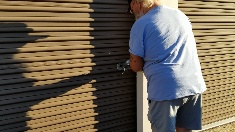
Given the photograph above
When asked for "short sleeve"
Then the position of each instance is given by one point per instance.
(136, 46)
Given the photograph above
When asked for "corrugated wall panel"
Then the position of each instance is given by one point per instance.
(213, 25)
(58, 66)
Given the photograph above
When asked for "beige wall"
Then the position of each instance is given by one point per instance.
(171, 3)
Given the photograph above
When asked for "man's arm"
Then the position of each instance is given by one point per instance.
(136, 63)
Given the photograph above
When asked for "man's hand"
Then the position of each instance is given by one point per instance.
(136, 63)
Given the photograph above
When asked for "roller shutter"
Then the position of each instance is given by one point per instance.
(58, 66)
(214, 27)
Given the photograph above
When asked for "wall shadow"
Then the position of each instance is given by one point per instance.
(20, 94)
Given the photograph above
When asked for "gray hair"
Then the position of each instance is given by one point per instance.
(147, 3)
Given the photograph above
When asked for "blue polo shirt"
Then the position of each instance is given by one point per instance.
(163, 37)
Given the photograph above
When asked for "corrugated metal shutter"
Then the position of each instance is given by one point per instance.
(214, 27)
(58, 66)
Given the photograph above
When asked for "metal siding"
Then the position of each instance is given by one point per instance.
(58, 66)
(213, 25)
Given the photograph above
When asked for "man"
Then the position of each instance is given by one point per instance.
(162, 44)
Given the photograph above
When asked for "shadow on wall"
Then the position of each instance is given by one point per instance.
(22, 89)
(54, 94)
(26, 97)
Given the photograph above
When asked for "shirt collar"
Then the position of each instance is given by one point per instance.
(157, 8)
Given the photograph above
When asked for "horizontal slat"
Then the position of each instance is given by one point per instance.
(66, 24)
(221, 1)
(60, 64)
(55, 74)
(218, 45)
(216, 89)
(64, 9)
(52, 111)
(212, 26)
(58, 39)
(61, 19)
(96, 52)
(124, 126)
(67, 45)
(214, 32)
(208, 11)
(227, 19)
(64, 14)
(220, 75)
(51, 120)
(19, 126)
(63, 91)
(56, 29)
(63, 82)
(81, 97)
(87, 128)
(215, 71)
(71, 116)
(219, 100)
(207, 39)
(73, 108)
(64, 115)
(221, 51)
(73, 124)
(205, 1)
(69, 100)
(218, 118)
(220, 111)
(110, 125)
(205, 5)
(217, 64)
(86, 1)
(211, 13)
(56, 4)
(219, 94)
(64, 34)
(74, 89)
(61, 55)
(216, 58)
(220, 82)
(218, 106)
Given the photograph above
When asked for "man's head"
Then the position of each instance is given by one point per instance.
(140, 7)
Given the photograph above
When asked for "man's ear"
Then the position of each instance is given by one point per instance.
(139, 5)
